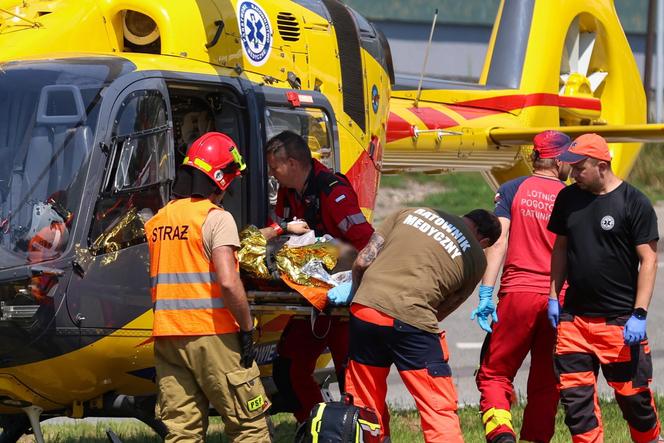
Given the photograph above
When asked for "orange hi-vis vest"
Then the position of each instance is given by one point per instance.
(187, 299)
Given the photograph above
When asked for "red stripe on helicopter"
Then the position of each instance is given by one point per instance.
(363, 175)
(470, 113)
(397, 128)
(594, 104)
(433, 119)
(508, 103)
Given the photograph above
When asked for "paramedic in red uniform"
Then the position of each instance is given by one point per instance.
(606, 247)
(523, 206)
(328, 204)
(418, 267)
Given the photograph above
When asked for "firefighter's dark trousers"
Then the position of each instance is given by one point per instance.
(584, 345)
(376, 342)
(298, 351)
(522, 327)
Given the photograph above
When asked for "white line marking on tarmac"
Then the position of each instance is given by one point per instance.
(469, 345)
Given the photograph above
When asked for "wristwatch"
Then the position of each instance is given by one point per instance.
(640, 313)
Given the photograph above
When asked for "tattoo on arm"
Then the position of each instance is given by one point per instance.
(366, 257)
(371, 250)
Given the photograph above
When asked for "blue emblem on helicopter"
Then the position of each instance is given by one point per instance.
(255, 32)
(375, 98)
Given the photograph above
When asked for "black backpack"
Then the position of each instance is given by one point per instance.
(340, 422)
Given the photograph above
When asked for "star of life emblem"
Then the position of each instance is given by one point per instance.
(255, 32)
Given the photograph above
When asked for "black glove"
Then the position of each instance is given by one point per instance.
(247, 351)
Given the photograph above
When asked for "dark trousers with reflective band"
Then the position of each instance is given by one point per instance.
(523, 327)
(298, 352)
(193, 372)
(376, 342)
(584, 345)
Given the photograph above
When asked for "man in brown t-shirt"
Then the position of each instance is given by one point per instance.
(418, 267)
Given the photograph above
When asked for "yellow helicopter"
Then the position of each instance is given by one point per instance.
(94, 118)
(562, 65)
(100, 98)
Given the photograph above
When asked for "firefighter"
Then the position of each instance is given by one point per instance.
(418, 267)
(202, 325)
(606, 247)
(523, 206)
(310, 196)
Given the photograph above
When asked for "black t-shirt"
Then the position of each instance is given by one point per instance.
(602, 234)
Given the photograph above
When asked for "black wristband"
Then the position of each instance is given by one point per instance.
(640, 313)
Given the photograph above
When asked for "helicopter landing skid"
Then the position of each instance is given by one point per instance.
(33, 413)
(112, 437)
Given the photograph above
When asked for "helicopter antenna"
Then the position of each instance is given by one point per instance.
(426, 58)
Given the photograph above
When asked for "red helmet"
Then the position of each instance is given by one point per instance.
(216, 155)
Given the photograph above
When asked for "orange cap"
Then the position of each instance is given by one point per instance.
(586, 145)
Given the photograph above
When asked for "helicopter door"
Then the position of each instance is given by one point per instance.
(114, 290)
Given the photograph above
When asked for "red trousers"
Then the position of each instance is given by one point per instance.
(298, 350)
(522, 327)
(584, 345)
(376, 342)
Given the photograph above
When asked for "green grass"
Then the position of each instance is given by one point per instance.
(404, 424)
(462, 191)
(615, 428)
(405, 427)
(648, 171)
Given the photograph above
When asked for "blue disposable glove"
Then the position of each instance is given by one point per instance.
(635, 330)
(553, 312)
(340, 295)
(485, 308)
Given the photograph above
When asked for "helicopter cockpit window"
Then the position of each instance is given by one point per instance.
(312, 124)
(139, 174)
(142, 129)
(47, 121)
